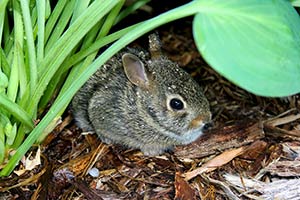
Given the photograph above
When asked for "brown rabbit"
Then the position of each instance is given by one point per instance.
(141, 102)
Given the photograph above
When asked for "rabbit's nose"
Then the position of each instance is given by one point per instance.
(207, 126)
(200, 121)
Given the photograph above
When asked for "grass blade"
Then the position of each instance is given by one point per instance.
(54, 17)
(130, 9)
(4, 63)
(41, 10)
(19, 113)
(2, 17)
(60, 27)
(2, 144)
(30, 45)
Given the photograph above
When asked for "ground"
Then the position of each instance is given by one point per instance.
(253, 143)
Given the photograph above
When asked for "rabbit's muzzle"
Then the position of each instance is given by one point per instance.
(200, 121)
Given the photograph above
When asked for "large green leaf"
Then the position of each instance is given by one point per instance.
(253, 43)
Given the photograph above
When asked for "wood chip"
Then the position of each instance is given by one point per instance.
(221, 139)
(216, 162)
(183, 190)
(283, 120)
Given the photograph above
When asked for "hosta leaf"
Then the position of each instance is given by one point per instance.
(253, 43)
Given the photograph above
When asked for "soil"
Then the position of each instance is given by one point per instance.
(252, 139)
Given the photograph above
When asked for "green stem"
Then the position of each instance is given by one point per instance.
(130, 9)
(59, 29)
(13, 83)
(180, 12)
(2, 144)
(4, 63)
(41, 9)
(2, 16)
(16, 111)
(30, 45)
(54, 17)
(110, 19)
(99, 43)
(23, 84)
(79, 7)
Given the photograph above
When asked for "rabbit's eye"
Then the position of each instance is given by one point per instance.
(176, 104)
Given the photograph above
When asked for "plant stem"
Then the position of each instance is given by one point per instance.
(53, 18)
(30, 45)
(60, 27)
(2, 16)
(15, 110)
(4, 63)
(97, 44)
(41, 9)
(130, 9)
(13, 83)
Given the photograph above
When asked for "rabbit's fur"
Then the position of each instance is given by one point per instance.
(127, 101)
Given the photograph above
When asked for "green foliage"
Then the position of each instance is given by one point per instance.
(255, 44)
(295, 3)
(45, 52)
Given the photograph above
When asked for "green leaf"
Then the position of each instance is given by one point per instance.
(2, 144)
(10, 132)
(295, 3)
(60, 26)
(4, 63)
(2, 16)
(41, 12)
(54, 16)
(253, 43)
(30, 45)
(3, 82)
(130, 9)
(15, 110)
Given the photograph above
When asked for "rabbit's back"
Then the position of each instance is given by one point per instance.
(106, 81)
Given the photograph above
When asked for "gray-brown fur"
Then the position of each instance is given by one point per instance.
(136, 113)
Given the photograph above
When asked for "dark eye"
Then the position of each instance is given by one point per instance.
(176, 104)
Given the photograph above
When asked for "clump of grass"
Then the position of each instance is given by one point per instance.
(42, 52)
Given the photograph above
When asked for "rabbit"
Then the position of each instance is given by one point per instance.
(142, 102)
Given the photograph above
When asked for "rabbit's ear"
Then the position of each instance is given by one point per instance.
(155, 46)
(135, 70)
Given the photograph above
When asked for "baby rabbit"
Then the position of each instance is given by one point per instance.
(142, 102)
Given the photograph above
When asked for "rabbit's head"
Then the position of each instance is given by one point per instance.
(168, 98)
